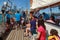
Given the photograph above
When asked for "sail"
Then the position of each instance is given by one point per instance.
(41, 3)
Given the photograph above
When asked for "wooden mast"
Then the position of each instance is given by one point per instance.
(31, 1)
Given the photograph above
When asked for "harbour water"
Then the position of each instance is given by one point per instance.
(0, 18)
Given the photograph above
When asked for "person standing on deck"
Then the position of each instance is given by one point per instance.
(41, 30)
(8, 16)
(33, 25)
(18, 18)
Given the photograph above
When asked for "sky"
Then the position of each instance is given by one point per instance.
(25, 4)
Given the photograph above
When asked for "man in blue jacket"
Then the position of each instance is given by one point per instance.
(45, 16)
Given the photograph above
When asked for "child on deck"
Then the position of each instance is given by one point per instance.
(28, 32)
(53, 35)
(12, 22)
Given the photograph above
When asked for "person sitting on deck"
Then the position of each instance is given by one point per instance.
(46, 16)
(28, 31)
(52, 18)
(53, 35)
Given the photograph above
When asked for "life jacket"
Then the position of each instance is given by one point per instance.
(53, 38)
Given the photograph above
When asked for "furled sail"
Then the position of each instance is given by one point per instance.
(41, 3)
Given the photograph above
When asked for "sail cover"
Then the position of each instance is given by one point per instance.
(41, 3)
